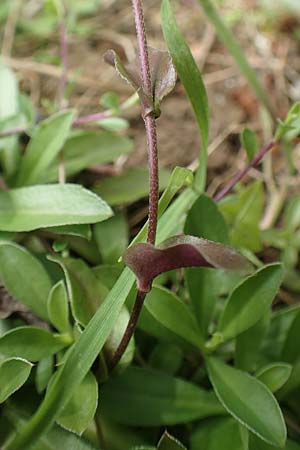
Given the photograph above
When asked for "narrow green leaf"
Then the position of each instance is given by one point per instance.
(204, 220)
(250, 300)
(129, 187)
(168, 442)
(249, 142)
(142, 397)
(231, 43)
(191, 79)
(24, 277)
(218, 434)
(13, 374)
(87, 347)
(275, 375)
(173, 314)
(29, 208)
(31, 343)
(111, 238)
(86, 292)
(58, 308)
(249, 401)
(290, 351)
(44, 370)
(83, 230)
(80, 410)
(85, 149)
(47, 141)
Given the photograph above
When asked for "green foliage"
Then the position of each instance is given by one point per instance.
(211, 346)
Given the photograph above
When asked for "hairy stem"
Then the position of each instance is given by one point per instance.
(150, 127)
(239, 175)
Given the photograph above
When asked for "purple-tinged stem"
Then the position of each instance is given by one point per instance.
(150, 126)
(239, 175)
(12, 131)
(91, 118)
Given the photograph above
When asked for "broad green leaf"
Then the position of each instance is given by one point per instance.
(111, 238)
(290, 351)
(44, 370)
(275, 375)
(80, 410)
(13, 374)
(250, 300)
(24, 277)
(191, 79)
(58, 308)
(250, 142)
(45, 144)
(248, 344)
(85, 149)
(243, 213)
(86, 349)
(128, 187)
(218, 434)
(232, 45)
(29, 208)
(142, 397)
(249, 401)
(203, 283)
(31, 343)
(168, 442)
(173, 314)
(85, 290)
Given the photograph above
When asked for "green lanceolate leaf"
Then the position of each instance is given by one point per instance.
(24, 277)
(168, 442)
(111, 238)
(81, 409)
(290, 351)
(31, 343)
(47, 141)
(13, 374)
(44, 370)
(85, 149)
(250, 300)
(191, 79)
(218, 434)
(173, 314)
(250, 142)
(29, 208)
(86, 349)
(249, 401)
(58, 308)
(274, 375)
(231, 43)
(204, 220)
(86, 292)
(83, 230)
(130, 186)
(142, 397)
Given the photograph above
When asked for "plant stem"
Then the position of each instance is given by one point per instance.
(239, 175)
(150, 127)
(135, 314)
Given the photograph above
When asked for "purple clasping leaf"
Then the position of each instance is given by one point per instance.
(163, 77)
(147, 261)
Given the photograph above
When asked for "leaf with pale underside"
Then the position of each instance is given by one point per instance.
(147, 261)
(163, 76)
